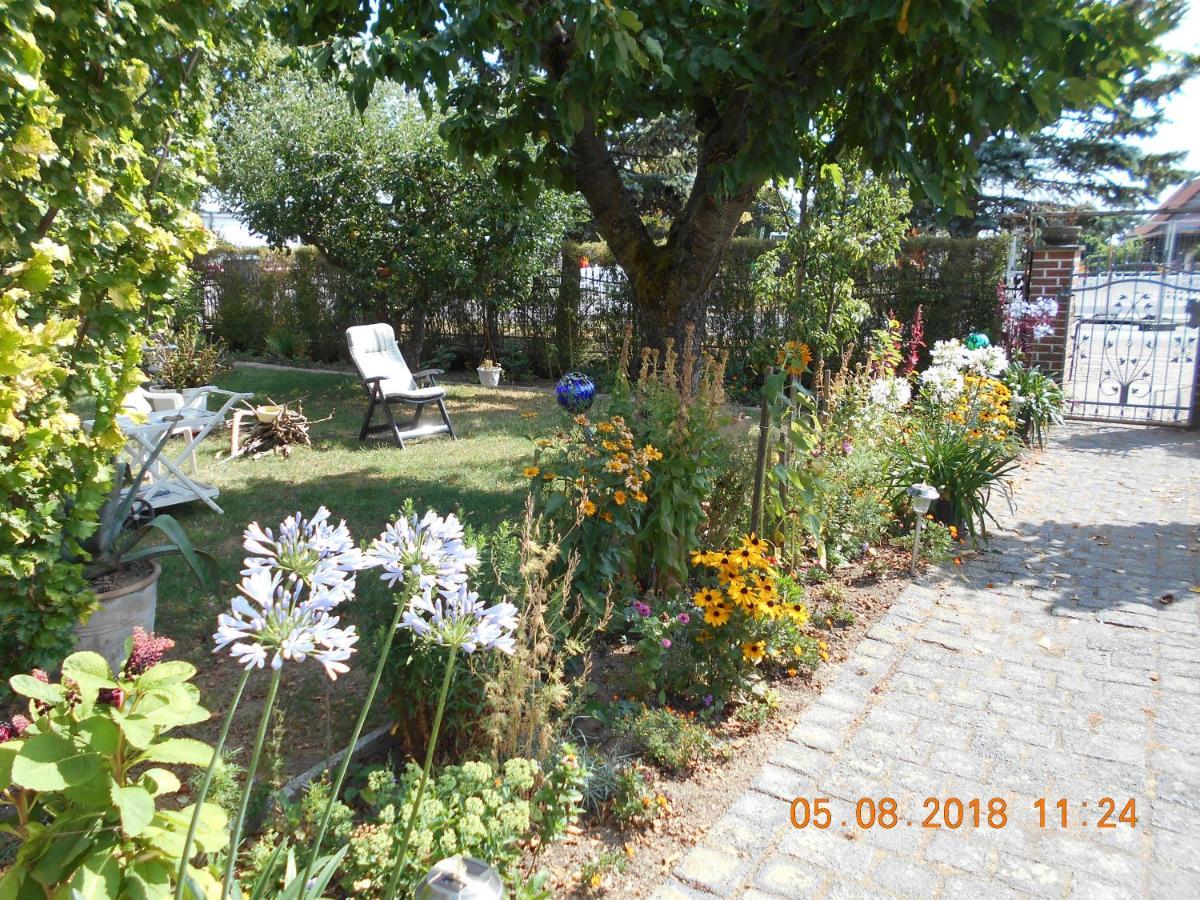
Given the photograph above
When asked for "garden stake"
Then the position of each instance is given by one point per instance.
(236, 837)
(358, 727)
(394, 881)
(760, 464)
(206, 783)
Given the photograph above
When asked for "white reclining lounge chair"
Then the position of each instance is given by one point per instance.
(387, 380)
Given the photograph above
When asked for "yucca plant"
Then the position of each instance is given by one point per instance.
(1038, 402)
(967, 471)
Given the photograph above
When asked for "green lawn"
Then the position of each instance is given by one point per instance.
(479, 477)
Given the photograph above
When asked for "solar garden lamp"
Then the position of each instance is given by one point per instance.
(921, 496)
(460, 878)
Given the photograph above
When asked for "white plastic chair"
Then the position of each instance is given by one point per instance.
(387, 379)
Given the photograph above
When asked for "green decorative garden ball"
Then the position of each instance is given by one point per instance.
(978, 341)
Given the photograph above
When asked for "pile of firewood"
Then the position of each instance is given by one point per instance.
(289, 428)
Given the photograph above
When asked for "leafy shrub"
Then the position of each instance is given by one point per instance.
(674, 404)
(191, 360)
(669, 739)
(475, 809)
(90, 804)
(748, 614)
(592, 483)
(284, 343)
(634, 802)
(96, 228)
(965, 470)
(1037, 402)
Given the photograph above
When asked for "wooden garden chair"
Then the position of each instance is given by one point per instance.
(387, 380)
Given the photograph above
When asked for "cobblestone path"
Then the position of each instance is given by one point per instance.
(1065, 663)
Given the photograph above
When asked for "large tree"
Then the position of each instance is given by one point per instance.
(1089, 156)
(765, 84)
(379, 195)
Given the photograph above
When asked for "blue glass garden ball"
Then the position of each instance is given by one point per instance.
(575, 392)
(978, 341)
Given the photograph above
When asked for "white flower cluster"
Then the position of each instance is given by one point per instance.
(287, 593)
(1038, 308)
(890, 393)
(430, 555)
(953, 354)
(430, 552)
(942, 382)
(1040, 311)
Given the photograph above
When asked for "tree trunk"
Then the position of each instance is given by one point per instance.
(670, 281)
(416, 341)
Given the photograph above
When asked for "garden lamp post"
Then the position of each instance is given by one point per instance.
(921, 495)
(460, 878)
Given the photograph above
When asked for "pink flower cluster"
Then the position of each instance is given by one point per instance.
(148, 651)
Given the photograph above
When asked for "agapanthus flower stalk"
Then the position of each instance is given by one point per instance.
(422, 559)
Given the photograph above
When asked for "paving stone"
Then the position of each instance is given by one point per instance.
(830, 848)
(897, 875)
(714, 869)
(789, 879)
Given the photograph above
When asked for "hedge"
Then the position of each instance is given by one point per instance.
(293, 303)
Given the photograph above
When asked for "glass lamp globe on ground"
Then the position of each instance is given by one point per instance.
(921, 496)
(977, 341)
(460, 878)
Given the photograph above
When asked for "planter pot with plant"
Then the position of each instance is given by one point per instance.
(489, 373)
(124, 575)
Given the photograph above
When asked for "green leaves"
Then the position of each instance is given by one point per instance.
(136, 806)
(178, 751)
(89, 801)
(50, 762)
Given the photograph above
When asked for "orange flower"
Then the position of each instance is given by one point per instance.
(589, 508)
(619, 498)
(531, 471)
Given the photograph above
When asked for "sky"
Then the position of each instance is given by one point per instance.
(1181, 131)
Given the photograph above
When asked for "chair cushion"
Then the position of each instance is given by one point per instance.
(417, 394)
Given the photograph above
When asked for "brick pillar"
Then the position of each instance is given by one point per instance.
(1051, 270)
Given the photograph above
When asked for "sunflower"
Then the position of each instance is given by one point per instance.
(532, 471)
(619, 497)
(716, 615)
(588, 507)
(753, 651)
(641, 497)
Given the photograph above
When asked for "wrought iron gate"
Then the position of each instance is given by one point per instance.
(1132, 347)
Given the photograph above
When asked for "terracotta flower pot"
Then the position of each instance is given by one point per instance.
(121, 609)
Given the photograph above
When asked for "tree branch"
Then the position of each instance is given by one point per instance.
(599, 180)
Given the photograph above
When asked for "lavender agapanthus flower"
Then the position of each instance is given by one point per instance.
(428, 553)
(321, 554)
(458, 618)
(284, 618)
